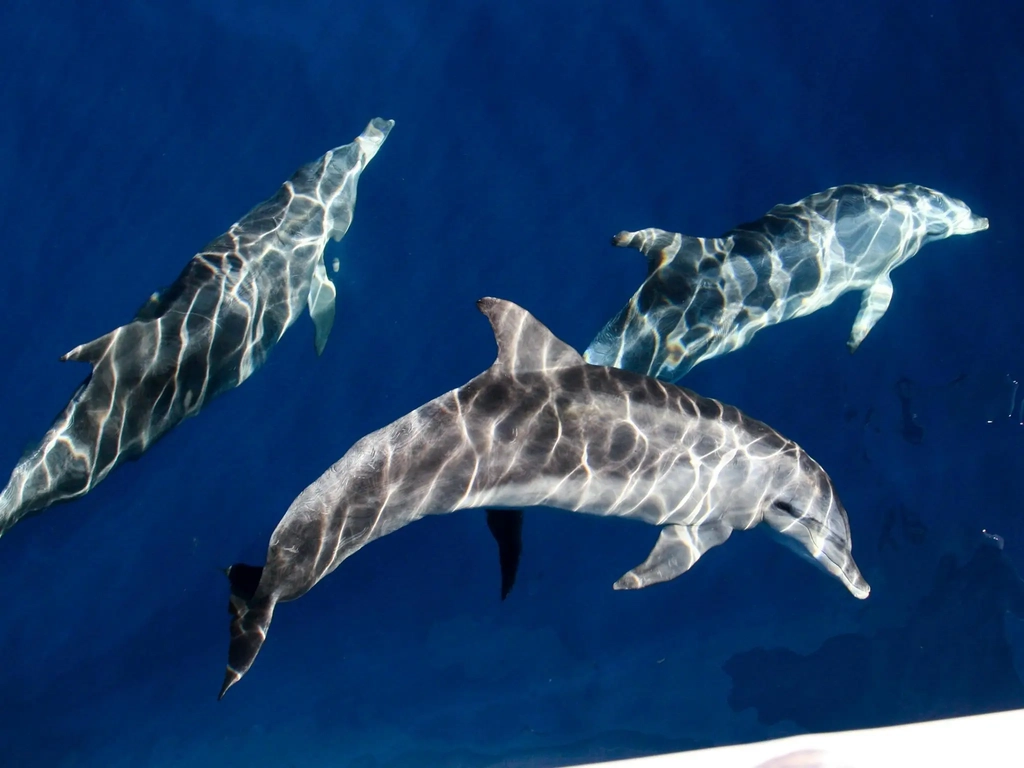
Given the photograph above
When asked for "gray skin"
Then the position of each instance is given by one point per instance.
(542, 428)
(705, 297)
(204, 335)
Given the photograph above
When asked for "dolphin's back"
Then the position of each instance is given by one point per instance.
(610, 442)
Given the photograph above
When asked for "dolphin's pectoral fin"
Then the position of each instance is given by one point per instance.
(506, 526)
(873, 304)
(321, 304)
(678, 548)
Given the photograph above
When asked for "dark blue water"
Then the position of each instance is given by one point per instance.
(527, 134)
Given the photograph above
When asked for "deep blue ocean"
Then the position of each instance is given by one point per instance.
(526, 135)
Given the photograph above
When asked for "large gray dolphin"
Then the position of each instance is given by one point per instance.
(540, 427)
(204, 335)
(706, 296)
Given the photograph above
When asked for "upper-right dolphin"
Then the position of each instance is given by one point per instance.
(706, 296)
(207, 333)
(540, 427)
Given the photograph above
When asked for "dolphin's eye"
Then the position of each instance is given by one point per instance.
(785, 506)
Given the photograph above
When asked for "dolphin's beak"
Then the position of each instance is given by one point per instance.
(980, 223)
(970, 224)
(840, 564)
(855, 582)
(831, 556)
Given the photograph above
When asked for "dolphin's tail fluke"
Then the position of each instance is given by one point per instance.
(250, 619)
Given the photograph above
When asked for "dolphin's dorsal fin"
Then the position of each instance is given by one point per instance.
(150, 310)
(659, 246)
(158, 302)
(91, 351)
(524, 343)
(321, 304)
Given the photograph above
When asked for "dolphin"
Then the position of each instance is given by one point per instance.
(205, 334)
(704, 296)
(540, 427)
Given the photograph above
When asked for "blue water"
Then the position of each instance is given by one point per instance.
(526, 135)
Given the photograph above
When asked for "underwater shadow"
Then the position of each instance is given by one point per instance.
(952, 658)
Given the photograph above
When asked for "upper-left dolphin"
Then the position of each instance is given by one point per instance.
(207, 333)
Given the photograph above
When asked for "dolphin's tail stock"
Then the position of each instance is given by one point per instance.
(8, 507)
(250, 618)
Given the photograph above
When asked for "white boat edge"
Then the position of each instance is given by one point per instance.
(979, 741)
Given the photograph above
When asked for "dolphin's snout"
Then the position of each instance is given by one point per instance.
(856, 583)
(837, 558)
(966, 223)
(977, 224)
